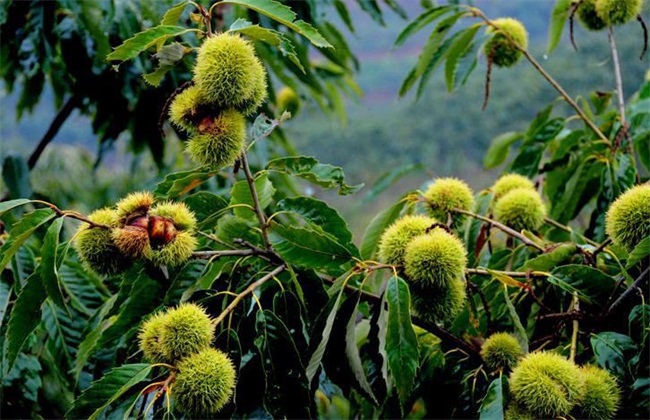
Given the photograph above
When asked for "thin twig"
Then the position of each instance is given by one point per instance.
(643, 277)
(72, 215)
(256, 200)
(486, 306)
(574, 335)
(562, 316)
(502, 227)
(206, 255)
(617, 76)
(250, 289)
(445, 335)
(481, 271)
(645, 36)
(478, 13)
(600, 248)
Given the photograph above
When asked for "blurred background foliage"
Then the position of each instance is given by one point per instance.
(110, 143)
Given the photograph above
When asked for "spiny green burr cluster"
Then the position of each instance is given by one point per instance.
(205, 377)
(229, 83)
(159, 233)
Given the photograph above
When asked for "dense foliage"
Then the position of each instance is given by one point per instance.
(227, 292)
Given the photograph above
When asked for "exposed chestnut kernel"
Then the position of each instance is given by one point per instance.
(139, 222)
(161, 231)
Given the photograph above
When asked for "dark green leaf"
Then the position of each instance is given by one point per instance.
(401, 342)
(241, 194)
(5, 206)
(144, 40)
(179, 183)
(25, 317)
(499, 148)
(107, 390)
(322, 215)
(172, 15)
(591, 284)
(285, 16)
(352, 350)
(308, 248)
(520, 331)
(21, 231)
(377, 226)
(344, 13)
(91, 337)
(312, 170)
(492, 406)
(49, 265)
(420, 22)
(325, 322)
(372, 8)
(559, 16)
(551, 259)
(15, 174)
(610, 348)
(458, 49)
(207, 207)
(639, 253)
(5, 295)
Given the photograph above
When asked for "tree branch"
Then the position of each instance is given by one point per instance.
(617, 75)
(501, 227)
(250, 289)
(256, 200)
(645, 276)
(73, 102)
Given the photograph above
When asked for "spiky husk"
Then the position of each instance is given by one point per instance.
(438, 304)
(183, 331)
(96, 247)
(602, 395)
(222, 144)
(588, 16)
(521, 209)
(134, 203)
(183, 107)
(204, 383)
(445, 194)
(509, 182)
(149, 337)
(228, 74)
(618, 12)
(174, 253)
(393, 242)
(547, 385)
(628, 218)
(182, 217)
(257, 98)
(131, 241)
(501, 351)
(287, 100)
(515, 412)
(500, 49)
(435, 259)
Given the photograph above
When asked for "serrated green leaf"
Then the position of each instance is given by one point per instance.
(499, 148)
(144, 40)
(312, 170)
(420, 22)
(559, 16)
(591, 284)
(49, 264)
(344, 14)
(179, 183)
(492, 406)
(551, 259)
(207, 207)
(322, 215)
(11, 204)
(324, 324)
(155, 77)
(5, 294)
(519, 330)
(172, 15)
(377, 225)
(352, 351)
(639, 253)
(241, 194)
(25, 317)
(107, 390)
(306, 247)
(457, 50)
(91, 337)
(21, 231)
(401, 342)
(610, 349)
(284, 15)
